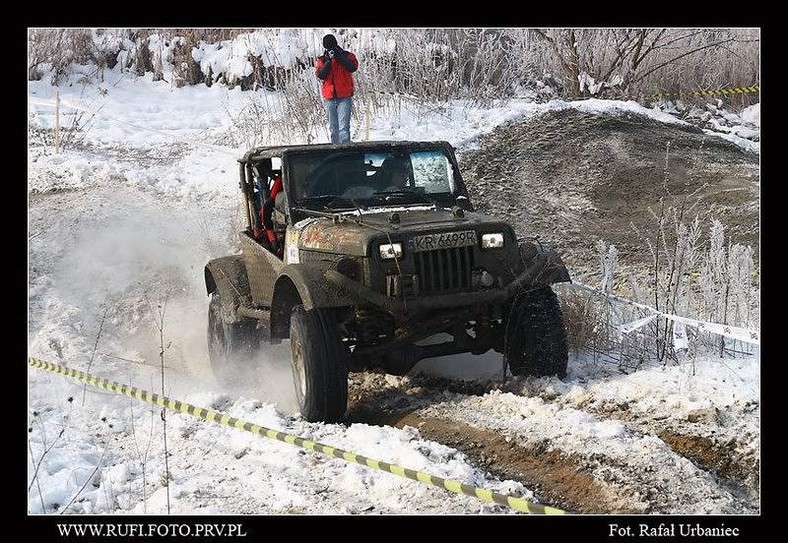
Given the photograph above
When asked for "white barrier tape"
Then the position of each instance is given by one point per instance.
(733, 332)
(634, 325)
(612, 296)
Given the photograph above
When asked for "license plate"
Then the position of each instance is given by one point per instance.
(445, 240)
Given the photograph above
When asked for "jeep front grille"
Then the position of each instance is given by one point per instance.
(444, 270)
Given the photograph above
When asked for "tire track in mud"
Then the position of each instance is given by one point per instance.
(738, 473)
(699, 439)
(556, 479)
(647, 469)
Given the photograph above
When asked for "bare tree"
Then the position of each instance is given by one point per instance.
(438, 64)
(629, 62)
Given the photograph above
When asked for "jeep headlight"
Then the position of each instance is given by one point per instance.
(492, 241)
(390, 250)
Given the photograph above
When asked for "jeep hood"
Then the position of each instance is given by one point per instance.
(353, 234)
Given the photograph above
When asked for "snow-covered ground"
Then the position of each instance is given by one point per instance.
(119, 229)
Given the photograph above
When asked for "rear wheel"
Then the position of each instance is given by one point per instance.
(231, 345)
(319, 364)
(536, 342)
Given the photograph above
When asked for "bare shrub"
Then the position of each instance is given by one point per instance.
(583, 318)
(72, 126)
(166, 476)
(437, 65)
(295, 115)
(725, 280)
(634, 62)
(186, 70)
(58, 48)
(608, 259)
(694, 276)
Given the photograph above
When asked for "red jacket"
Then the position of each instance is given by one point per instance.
(338, 83)
(276, 188)
(267, 209)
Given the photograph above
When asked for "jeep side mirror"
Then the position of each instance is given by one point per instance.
(464, 203)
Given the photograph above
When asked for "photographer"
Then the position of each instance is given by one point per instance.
(335, 69)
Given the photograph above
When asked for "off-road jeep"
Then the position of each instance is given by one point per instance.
(370, 252)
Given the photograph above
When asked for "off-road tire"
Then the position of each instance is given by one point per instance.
(319, 365)
(536, 342)
(232, 346)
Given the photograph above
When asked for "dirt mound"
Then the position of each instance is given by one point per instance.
(574, 178)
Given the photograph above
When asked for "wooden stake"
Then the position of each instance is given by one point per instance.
(57, 121)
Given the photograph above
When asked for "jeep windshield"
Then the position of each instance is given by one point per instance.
(339, 180)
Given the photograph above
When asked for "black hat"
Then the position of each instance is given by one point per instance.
(329, 41)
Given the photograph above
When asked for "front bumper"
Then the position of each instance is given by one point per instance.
(535, 274)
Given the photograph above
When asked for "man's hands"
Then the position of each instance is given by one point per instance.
(334, 52)
(339, 54)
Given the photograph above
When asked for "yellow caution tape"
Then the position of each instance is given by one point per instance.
(457, 487)
(735, 90)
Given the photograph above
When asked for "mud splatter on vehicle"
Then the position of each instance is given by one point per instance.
(370, 249)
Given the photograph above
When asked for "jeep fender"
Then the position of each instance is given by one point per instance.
(302, 284)
(227, 275)
(543, 263)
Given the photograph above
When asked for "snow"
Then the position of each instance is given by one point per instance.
(150, 192)
(752, 115)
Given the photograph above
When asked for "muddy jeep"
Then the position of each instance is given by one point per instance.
(371, 256)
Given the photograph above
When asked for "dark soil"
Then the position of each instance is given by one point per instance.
(574, 178)
(572, 481)
(558, 480)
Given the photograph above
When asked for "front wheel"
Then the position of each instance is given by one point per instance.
(536, 342)
(319, 364)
